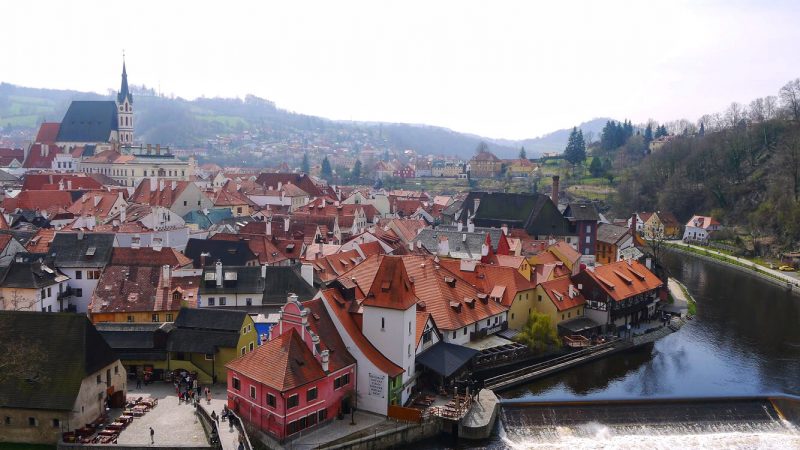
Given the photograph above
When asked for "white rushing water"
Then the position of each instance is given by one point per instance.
(775, 435)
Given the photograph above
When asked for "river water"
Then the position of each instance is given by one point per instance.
(745, 340)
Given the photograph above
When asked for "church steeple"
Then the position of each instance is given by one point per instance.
(123, 90)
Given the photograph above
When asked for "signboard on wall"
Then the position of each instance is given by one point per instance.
(377, 383)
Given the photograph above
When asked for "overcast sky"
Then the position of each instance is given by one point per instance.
(498, 69)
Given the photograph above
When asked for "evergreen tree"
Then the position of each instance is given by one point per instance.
(576, 147)
(306, 166)
(355, 173)
(522, 154)
(596, 167)
(648, 133)
(661, 131)
(702, 131)
(326, 173)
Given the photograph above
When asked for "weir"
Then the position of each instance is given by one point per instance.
(653, 423)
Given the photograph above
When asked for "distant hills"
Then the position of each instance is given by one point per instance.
(193, 123)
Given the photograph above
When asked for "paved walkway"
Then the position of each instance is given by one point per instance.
(228, 436)
(337, 429)
(173, 423)
(789, 277)
(677, 293)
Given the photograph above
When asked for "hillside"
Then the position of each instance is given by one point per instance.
(192, 123)
(557, 140)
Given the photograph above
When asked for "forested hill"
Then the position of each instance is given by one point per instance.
(189, 123)
(742, 166)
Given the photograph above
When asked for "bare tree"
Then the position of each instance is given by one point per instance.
(756, 112)
(17, 302)
(20, 361)
(770, 107)
(735, 114)
(790, 97)
(788, 160)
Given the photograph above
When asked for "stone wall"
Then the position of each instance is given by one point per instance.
(403, 435)
(19, 429)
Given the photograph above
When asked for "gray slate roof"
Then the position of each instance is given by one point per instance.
(30, 273)
(610, 234)
(581, 212)
(471, 248)
(281, 280)
(88, 121)
(91, 250)
(231, 253)
(71, 349)
(210, 319)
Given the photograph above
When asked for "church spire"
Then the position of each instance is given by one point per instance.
(123, 90)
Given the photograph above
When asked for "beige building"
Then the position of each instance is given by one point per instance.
(131, 164)
(560, 300)
(67, 377)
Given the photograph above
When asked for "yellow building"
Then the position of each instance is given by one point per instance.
(485, 165)
(560, 300)
(205, 340)
(131, 164)
(661, 225)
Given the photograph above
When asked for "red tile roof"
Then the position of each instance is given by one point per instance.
(148, 256)
(341, 309)
(624, 279)
(558, 291)
(48, 132)
(123, 288)
(282, 363)
(391, 287)
(50, 201)
(260, 245)
(159, 197)
(51, 181)
(486, 277)
(97, 203)
(40, 243)
(41, 156)
(422, 319)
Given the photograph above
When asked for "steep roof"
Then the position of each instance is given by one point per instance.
(282, 363)
(668, 219)
(485, 156)
(30, 274)
(51, 181)
(341, 309)
(50, 201)
(48, 133)
(88, 121)
(391, 287)
(81, 249)
(59, 359)
(624, 279)
(704, 222)
(159, 197)
(462, 244)
(260, 245)
(210, 319)
(487, 277)
(128, 289)
(321, 323)
(611, 234)
(582, 211)
(100, 204)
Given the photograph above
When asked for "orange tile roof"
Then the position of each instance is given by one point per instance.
(487, 277)
(282, 363)
(341, 309)
(147, 256)
(422, 319)
(165, 197)
(96, 203)
(50, 201)
(558, 292)
(624, 279)
(40, 243)
(48, 132)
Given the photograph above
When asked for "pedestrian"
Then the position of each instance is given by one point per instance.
(194, 384)
(214, 416)
(152, 436)
(138, 382)
(208, 396)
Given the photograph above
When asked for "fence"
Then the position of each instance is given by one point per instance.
(405, 414)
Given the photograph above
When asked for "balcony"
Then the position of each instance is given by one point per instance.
(483, 332)
(66, 293)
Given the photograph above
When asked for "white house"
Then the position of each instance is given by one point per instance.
(699, 228)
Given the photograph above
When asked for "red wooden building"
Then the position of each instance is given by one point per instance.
(296, 380)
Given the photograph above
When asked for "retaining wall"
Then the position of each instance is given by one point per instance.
(404, 435)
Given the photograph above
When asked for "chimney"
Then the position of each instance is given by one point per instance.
(292, 297)
(263, 271)
(470, 226)
(307, 272)
(158, 149)
(556, 186)
(444, 246)
(324, 360)
(633, 224)
(80, 235)
(269, 226)
(411, 245)
(286, 224)
(571, 291)
(504, 227)
(314, 344)
(463, 237)
(69, 185)
(485, 247)
(477, 203)
(123, 214)
(161, 184)
(320, 249)
(218, 272)
(460, 226)
(149, 148)
(166, 275)
(153, 184)
(157, 244)
(61, 184)
(203, 257)
(174, 185)
(97, 199)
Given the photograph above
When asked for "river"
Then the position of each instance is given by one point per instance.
(744, 340)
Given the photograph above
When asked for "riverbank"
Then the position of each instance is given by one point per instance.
(773, 276)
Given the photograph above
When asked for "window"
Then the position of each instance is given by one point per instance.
(116, 370)
(322, 415)
(32, 421)
(454, 334)
(292, 401)
(248, 301)
(154, 318)
(222, 301)
(169, 317)
(311, 394)
(209, 356)
(78, 274)
(588, 239)
(341, 381)
(251, 346)
(383, 323)
(79, 292)
(409, 349)
(252, 392)
(92, 274)
(244, 350)
(8, 420)
(98, 379)
(562, 317)
(49, 292)
(210, 301)
(56, 423)
(465, 331)
(540, 298)
(271, 400)
(409, 328)
(185, 203)
(42, 294)
(237, 384)
(588, 228)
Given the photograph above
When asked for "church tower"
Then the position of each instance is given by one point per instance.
(125, 110)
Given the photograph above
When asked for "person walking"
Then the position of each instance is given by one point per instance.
(138, 382)
(152, 436)
(208, 396)
(194, 384)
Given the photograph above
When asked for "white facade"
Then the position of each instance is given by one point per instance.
(83, 281)
(176, 238)
(461, 336)
(393, 332)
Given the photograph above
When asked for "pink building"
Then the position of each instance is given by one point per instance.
(405, 172)
(301, 377)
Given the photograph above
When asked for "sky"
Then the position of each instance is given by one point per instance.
(499, 69)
